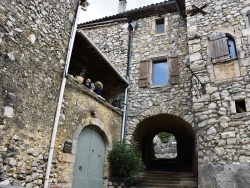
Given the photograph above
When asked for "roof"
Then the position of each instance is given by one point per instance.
(137, 13)
(86, 55)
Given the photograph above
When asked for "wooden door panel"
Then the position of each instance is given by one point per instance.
(88, 168)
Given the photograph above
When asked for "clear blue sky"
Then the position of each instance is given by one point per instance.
(102, 8)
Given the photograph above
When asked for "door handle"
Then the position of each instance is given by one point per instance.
(80, 167)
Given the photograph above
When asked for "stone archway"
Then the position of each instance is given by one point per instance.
(183, 132)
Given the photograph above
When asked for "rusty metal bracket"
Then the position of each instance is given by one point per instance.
(199, 10)
(202, 84)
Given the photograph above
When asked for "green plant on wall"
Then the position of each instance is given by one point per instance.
(125, 161)
(164, 136)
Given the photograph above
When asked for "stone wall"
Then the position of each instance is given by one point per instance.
(168, 99)
(34, 37)
(78, 105)
(112, 40)
(223, 140)
(173, 99)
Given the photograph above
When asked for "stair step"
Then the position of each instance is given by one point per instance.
(165, 186)
(169, 183)
(162, 179)
(181, 182)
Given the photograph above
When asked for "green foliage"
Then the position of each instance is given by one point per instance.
(164, 136)
(125, 161)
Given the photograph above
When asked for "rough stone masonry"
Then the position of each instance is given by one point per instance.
(222, 131)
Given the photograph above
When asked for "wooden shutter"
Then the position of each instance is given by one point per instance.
(174, 70)
(219, 47)
(144, 74)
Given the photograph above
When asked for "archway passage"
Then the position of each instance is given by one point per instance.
(184, 135)
(88, 168)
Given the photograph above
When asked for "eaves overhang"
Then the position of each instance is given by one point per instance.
(153, 9)
(86, 55)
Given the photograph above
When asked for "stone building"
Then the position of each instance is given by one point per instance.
(187, 66)
(202, 97)
(35, 38)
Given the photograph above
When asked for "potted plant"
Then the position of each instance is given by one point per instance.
(125, 162)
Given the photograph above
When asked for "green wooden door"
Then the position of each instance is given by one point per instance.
(88, 169)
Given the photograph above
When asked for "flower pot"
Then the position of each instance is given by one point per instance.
(80, 79)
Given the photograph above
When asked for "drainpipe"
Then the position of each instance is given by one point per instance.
(124, 119)
(132, 26)
(179, 10)
(59, 104)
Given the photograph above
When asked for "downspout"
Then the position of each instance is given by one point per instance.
(132, 26)
(179, 10)
(59, 104)
(124, 119)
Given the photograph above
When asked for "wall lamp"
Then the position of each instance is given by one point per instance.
(84, 4)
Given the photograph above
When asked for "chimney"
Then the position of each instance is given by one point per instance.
(122, 6)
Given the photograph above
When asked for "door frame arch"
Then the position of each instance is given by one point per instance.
(98, 125)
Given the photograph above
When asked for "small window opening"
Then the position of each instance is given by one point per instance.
(159, 26)
(160, 72)
(231, 47)
(240, 106)
(164, 146)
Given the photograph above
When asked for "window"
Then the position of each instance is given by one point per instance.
(158, 72)
(222, 47)
(160, 26)
(231, 47)
(240, 106)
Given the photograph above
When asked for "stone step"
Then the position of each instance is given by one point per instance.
(166, 181)
(161, 179)
(165, 186)
(167, 175)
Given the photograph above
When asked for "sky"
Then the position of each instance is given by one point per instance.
(101, 8)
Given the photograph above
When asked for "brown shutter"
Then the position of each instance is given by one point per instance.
(174, 71)
(219, 47)
(144, 74)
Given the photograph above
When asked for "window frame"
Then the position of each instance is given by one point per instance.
(146, 71)
(160, 21)
(157, 61)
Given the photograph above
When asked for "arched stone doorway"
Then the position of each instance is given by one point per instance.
(183, 132)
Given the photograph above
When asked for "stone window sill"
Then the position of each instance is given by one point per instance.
(226, 61)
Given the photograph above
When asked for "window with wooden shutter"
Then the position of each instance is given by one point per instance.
(144, 74)
(174, 71)
(219, 47)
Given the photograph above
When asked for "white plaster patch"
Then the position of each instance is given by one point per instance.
(5, 182)
(195, 57)
(8, 112)
(32, 38)
(11, 56)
